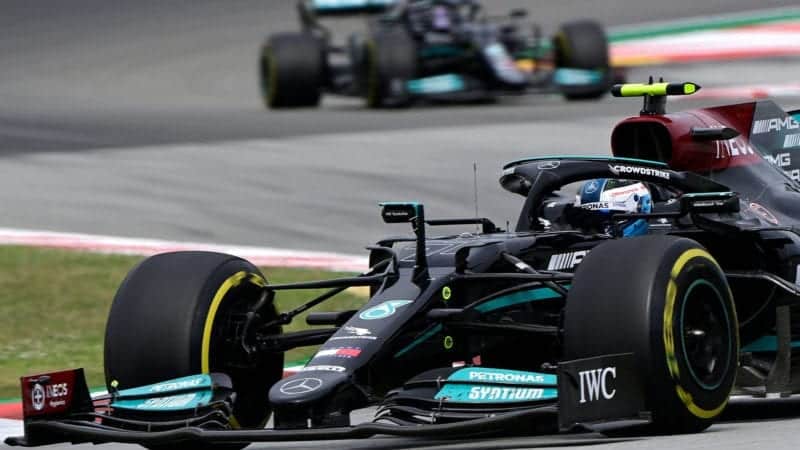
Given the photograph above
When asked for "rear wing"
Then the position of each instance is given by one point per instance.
(345, 7)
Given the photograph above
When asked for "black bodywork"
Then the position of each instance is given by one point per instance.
(476, 57)
(493, 299)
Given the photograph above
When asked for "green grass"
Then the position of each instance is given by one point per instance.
(53, 307)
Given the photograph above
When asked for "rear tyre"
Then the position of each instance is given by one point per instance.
(292, 70)
(665, 300)
(583, 45)
(390, 59)
(175, 315)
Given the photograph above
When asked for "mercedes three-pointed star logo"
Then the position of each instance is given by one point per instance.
(38, 397)
(301, 386)
(547, 165)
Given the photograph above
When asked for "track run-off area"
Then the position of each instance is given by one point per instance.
(137, 127)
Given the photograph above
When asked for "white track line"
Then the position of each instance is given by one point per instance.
(261, 256)
(8, 428)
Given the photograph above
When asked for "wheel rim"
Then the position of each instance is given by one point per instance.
(705, 334)
(223, 353)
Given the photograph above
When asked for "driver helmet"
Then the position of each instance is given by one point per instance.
(607, 196)
(441, 18)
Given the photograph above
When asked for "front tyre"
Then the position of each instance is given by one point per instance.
(583, 45)
(178, 314)
(292, 70)
(665, 300)
(390, 60)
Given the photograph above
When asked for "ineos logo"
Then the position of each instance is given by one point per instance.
(38, 397)
(301, 386)
(594, 384)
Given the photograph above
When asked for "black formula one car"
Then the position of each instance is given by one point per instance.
(430, 49)
(564, 321)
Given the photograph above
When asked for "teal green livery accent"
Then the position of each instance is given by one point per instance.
(172, 395)
(323, 6)
(466, 393)
(422, 338)
(584, 157)
(439, 84)
(501, 302)
(577, 77)
(383, 310)
(765, 344)
(502, 376)
(439, 51)
(415, 204)
(516, 298)
(188, 400)
(191, 383)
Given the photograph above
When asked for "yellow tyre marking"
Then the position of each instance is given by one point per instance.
(205, 355)
(669, 338)
(687, 400)
(561, 40)
(686, 256)
(257, 280)
(232, 281)
(272, 86)
(373, 83)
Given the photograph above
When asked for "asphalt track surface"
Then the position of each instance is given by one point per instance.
(143, 119)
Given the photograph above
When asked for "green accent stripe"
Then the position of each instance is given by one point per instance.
(765, 344)
(504, 301)
(619, 34)
(516, 298)
(422, 338)
(585, 158)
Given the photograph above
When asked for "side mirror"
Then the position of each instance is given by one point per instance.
(413, 212)
(399, 212)
(710, 202)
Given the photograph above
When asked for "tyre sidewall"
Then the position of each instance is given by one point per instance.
(388, 55)
(672, 382)
(292, 70)
(160, 318)
(619, 303)
(583, 45)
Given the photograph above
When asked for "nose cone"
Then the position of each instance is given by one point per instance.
(323, 398)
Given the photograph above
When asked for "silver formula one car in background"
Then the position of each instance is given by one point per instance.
(430, 49)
